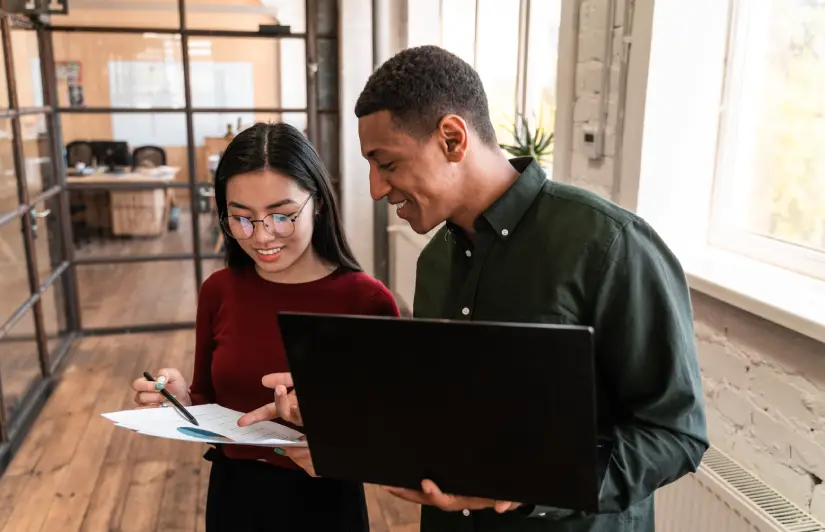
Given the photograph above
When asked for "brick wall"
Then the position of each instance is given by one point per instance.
(598, 175)
(765, 385)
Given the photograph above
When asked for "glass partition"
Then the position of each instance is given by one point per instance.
(108, 70)
(112, 120)
(125, 14)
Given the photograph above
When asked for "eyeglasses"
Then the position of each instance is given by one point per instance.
(280, 225)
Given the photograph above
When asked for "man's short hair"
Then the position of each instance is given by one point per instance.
(420, 86)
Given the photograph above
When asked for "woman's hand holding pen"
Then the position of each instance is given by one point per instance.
(284, 407)
(147, 393)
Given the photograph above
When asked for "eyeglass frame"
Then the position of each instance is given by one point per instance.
(291, 217)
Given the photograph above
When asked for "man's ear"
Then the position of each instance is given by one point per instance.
(453, 137)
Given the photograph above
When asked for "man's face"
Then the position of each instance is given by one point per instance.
(417, 176)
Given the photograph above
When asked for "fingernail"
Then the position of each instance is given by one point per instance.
(279, 451)
(158, 386)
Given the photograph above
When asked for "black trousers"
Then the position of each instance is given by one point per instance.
(253, 496)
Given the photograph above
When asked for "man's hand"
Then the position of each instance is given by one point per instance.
(431, 495)
(284, 407)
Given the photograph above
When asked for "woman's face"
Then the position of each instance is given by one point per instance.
(287, 211)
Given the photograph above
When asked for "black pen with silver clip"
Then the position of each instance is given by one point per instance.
(172, 400)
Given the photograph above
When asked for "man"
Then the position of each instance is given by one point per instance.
(516, 247)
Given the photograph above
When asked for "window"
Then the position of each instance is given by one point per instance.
(725, 134)
(769, 193)
(513, 46)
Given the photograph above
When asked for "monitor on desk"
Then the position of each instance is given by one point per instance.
(111, 153)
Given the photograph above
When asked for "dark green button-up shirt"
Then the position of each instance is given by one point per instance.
(548, 252)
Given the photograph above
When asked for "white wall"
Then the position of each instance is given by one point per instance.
(356, 67)
(419, 22)
(404, 24)
(423, 22)
(293, 60)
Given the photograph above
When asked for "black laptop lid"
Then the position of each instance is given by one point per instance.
(502, 411)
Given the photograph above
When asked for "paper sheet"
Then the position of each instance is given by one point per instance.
(217, 424)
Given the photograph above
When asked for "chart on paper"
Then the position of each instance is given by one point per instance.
(216, 424)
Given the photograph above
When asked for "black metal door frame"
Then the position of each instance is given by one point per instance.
(12, 431)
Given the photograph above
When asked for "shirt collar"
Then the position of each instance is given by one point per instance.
(508, 210)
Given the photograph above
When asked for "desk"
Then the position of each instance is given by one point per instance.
(127, 212)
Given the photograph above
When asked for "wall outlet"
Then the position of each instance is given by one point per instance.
(593, 142)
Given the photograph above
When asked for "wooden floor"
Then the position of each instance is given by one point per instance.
(111, 295)
(75, 471)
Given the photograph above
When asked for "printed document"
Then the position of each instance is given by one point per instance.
(217, 424)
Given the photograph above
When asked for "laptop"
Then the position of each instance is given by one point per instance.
(496, 410)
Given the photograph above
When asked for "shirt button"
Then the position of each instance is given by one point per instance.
(505, 232)
(465, 311)
(468, 253)
(466, 513)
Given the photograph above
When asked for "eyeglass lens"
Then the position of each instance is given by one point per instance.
(241, 227)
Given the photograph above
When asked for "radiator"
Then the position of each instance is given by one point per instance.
(722, 496)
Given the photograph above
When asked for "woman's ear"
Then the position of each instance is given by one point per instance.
(319, 204)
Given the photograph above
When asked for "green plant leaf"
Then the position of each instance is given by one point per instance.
(528, 142)
(544, 147)
(517, 151)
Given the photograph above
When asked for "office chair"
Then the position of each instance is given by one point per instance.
(148, 156)
(79, 151)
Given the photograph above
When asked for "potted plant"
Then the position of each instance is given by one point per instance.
(527, 142)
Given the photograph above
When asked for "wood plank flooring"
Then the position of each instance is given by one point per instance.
(75, 471)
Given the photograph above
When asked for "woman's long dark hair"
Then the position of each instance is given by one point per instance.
(282, 148)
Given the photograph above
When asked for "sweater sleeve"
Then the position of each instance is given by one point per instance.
(382, 303)
(373, 298)
(201, 390)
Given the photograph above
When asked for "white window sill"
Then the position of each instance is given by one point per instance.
(789, 299)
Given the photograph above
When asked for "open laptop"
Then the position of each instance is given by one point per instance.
(501, 411)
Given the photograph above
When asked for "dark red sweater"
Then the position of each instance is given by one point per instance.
(238, 341)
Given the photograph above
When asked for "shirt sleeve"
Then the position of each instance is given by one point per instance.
(643, 323)
(201, 390)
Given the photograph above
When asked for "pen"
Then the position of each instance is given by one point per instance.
(172, 400)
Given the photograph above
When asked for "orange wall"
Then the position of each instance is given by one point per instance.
(95, 50)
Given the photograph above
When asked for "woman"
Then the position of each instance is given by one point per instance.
(285, 251)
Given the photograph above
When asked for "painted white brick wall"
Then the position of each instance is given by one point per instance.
(765, 385)
(765, 388)
(597, 176)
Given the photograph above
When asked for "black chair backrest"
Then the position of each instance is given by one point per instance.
(79, 151)
(151, 156)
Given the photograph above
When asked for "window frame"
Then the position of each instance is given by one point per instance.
(667, 174)
(722, 234)
(522, 64)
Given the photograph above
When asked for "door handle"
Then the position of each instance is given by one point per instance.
(37, 215)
